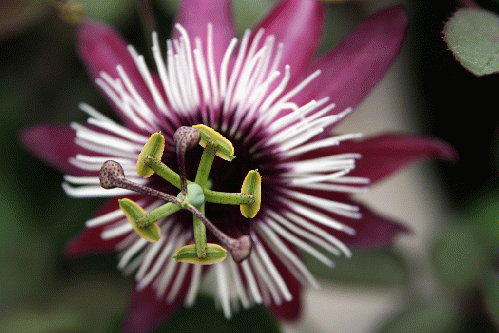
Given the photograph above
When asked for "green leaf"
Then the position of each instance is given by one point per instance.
(203, 317)
(247, 13)
(484, 213)
(491, 295)
(472, 35)
(423, 318)
(115, 323)
(25, 256)
(92, 300)
(108, 10)
(31, 321)
(366, 266)
(458, 257)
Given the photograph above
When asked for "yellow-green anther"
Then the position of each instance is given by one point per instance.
(134, 212)
(225, 148)
(252, 184)
(214, 253)
(154, 147)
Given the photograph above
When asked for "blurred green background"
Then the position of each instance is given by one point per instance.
(42, 80)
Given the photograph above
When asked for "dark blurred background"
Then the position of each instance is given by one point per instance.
(42, 80)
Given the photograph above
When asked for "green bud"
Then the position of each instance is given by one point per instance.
(70, 11)
(154, 147)
(252, 184)
(225, 149)
(195, 195)
(134, 212)
(214, 253)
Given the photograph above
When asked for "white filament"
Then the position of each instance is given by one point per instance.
(246, 95)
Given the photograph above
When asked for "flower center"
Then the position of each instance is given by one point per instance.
(193, 194)
(247, 99)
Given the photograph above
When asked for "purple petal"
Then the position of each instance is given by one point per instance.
(372, 230)
(147, 312)
(298, 24)
(90, 241)
(354, 67)
(101, 48)
(385, 154)
(194, 15)
(287, 310)
(53, 144)
(291, 310)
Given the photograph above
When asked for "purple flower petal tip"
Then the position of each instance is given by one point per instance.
(385, 154)
(298, 25)
(194, 16)
(91, 35)
(102, 48)
(368, 51)
(377, 231)
(445, 151)
(53, 144)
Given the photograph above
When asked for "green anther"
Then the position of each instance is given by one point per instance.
(225, 148)
(252, 184)
(195, 195)
(134, 212)
(158, 214)
(154, 147)
(215, 253)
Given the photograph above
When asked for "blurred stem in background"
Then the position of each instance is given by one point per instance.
(148, 22)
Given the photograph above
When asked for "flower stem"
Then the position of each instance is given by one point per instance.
(158, 214)
(147, 19)
(205, 163)
(201, 179)
(200, 234)
(163, 171)
(228, 198)
(141, 189)
(239, 248)
(111, 175)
